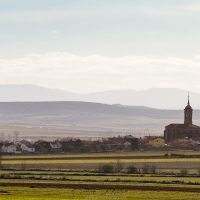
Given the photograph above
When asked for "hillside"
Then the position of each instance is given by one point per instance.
(88, 115)
(72, 107)
(162, 98)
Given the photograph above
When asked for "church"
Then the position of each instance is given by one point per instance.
(179, 131)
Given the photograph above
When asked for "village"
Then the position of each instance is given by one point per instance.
(113, 144)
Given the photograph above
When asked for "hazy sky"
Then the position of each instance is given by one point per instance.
(96, 45)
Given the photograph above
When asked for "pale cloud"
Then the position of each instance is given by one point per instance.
(97, 73)
(154, 33)
(54, 32)
(193, 7)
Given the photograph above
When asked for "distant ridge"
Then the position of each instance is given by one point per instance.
(163, 98)
(71, 113)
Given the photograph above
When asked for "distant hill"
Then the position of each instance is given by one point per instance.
(70, 107)
(88, 115)
(26, 92)
(164, 98)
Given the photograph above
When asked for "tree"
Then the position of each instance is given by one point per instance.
(132, 169)
(119, 165)
(107, 168)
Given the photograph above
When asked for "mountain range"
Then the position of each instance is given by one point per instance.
(162, 98)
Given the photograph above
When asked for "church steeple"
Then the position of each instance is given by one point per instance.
(188, 113)
(188, 99)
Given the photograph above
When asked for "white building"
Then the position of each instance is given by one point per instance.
(9, 148)
(55, 145)
(127, 146)
(27, 148)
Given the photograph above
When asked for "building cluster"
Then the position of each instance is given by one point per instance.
(126, 143)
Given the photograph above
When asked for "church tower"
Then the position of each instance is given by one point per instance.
(188, 113)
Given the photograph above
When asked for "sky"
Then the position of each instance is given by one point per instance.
(90, 45)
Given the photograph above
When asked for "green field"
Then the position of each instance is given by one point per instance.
(92, 161)
(76, 176)
(36, 189)
(99, 177)
(55, 193)
(101, 155)
(49, 161)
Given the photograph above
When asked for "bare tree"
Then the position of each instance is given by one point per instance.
(2, 136)
(9, 137)
(16, 134)
(119, 165)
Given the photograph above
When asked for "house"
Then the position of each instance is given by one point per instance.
(186, 144)
(9, 148)
(127, 146)
(55, 146)
(27, 148)
(157, 142)
(150, 142)
(134, 142)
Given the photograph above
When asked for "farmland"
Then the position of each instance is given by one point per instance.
(78, 176)
(88, 162)
(57, 189)
(57, 193)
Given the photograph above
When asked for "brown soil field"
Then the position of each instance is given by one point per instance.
(100, 187)
(89, 166)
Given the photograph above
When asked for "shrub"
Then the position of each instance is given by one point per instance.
(119, 166)
(132, 169)
(107, 168)
(145, 169)
(5, 176)
(152, 169)
(183, 172)
(198, 172)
